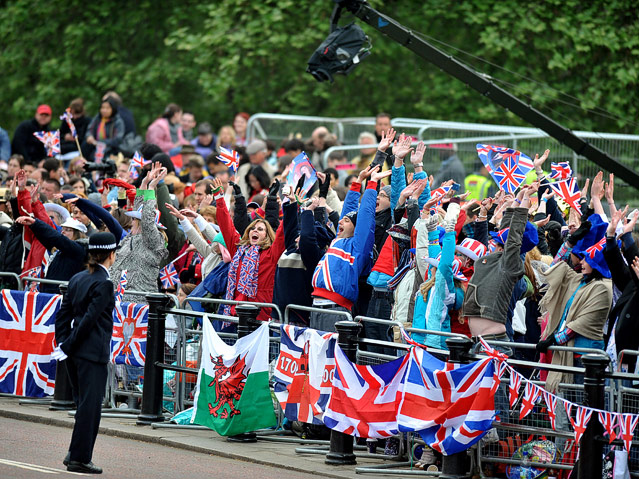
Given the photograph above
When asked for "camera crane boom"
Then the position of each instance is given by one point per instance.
(484, 85)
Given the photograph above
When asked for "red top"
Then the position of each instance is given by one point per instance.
(267, 264)
(36, 253)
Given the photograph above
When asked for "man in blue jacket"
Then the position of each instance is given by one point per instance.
(335, 280)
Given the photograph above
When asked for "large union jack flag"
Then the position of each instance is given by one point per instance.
(230, 158)
(508, 167)
(51, 140)
(304, 373)
(365, 399)
(128, 342)
(569, 191)
(27, 338)
(450, 405)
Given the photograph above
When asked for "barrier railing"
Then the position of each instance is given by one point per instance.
(14, 276)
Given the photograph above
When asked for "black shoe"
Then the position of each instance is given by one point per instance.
(90, 468)
(66, 459)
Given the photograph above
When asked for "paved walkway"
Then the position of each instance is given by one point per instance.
(278, 454)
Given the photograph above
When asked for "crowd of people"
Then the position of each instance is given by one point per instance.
(377, 236)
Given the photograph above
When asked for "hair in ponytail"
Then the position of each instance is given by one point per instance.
(96, 258)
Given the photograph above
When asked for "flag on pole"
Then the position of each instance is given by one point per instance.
(27, 339)
(568, 190)
(128, 341)
(507, 166)
(169, 276)
(230, 158)
(365, 399)
(560, 171)
(232, 394)
(137, 161)
(100, 148)
(121, 286)
(51, 141)
(450, 405)
(302, 167)
(68, 117)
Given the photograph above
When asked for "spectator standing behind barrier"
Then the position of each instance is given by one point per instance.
(27, 145)
(335, 280)
(124, 112)
(13, 250)
(257, 153)
(83, 330)
(205, 140)
(106, 127)
(451, 167)
(144, 249)
(255, 255)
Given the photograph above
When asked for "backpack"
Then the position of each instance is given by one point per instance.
(341, 51)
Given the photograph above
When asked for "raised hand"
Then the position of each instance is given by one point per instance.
(610, 189)
(597, 188)
(25, 220)
(630, 225)
(387, 139)
(418, 155)
(188, 213)
(617, 216)
(635, 266)
(366, 173)
(584, 190)
(539, 162)
(174, 211)
(544, 222)
(378, 175)
(548, 194)
(21, 179)
(402, 147)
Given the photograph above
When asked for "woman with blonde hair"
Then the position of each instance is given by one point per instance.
(226, 138)
(255, 255)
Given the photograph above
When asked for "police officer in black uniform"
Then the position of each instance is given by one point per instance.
(83, 329)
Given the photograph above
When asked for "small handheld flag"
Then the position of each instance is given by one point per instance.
(68, 117)
(560, 171)
(569, 191)
(121, 286)
(169, 276)
(51, 141)
(100, 148)
(507, 166)
(137, 161)
(230, 158)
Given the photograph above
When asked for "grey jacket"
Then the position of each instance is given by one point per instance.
(491, 286)
(451, 169)
(141, 256)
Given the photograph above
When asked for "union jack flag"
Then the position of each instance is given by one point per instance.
(513, 387)
(68, 117)
(627, 425)
(121, 286)
(230, 158)
(169, 276)
(304, 373)
(569, 191)
(609, 421)
(51, 140)
(596, 248)
(508, 167)
(197, 258)
(137, 161)
(560, 171)
(580, 421)
(100, 148)
(33, 273)
(451, 405)
(128, 342)
(551, 407)
(365, 399)
(27, 339)
(531, 395)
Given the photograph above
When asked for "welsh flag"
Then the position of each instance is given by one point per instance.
(232, 394)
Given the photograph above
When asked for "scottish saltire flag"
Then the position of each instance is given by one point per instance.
(232, 394)
(451, 406)
(560, 171)
(304, 373)
(365, 399)
(128, 342)
(230, 158)
(302, 167)
(68, 117)
(508, 167)
(169, 276)
(27, 339)
(569, 191)
(51, 141)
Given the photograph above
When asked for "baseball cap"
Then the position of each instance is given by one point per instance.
(44, 109)
(255, 147)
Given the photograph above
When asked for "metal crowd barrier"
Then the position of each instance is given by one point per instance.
(13, 276)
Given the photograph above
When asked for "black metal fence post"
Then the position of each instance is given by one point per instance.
(341, 448)
(62, 394)
(456, 466)
(151, 410)
(246, 324)
(591, 449)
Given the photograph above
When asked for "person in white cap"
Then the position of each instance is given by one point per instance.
(68, 249)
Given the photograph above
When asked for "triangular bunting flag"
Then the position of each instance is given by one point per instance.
(580, 421)
(551, 403)
(499, 372)
(627, 425)
(609, 420)
(531, 395)
(515, 384)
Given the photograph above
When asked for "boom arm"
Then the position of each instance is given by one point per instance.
(448, 63)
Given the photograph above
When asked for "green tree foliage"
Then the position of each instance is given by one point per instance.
(219, 57)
